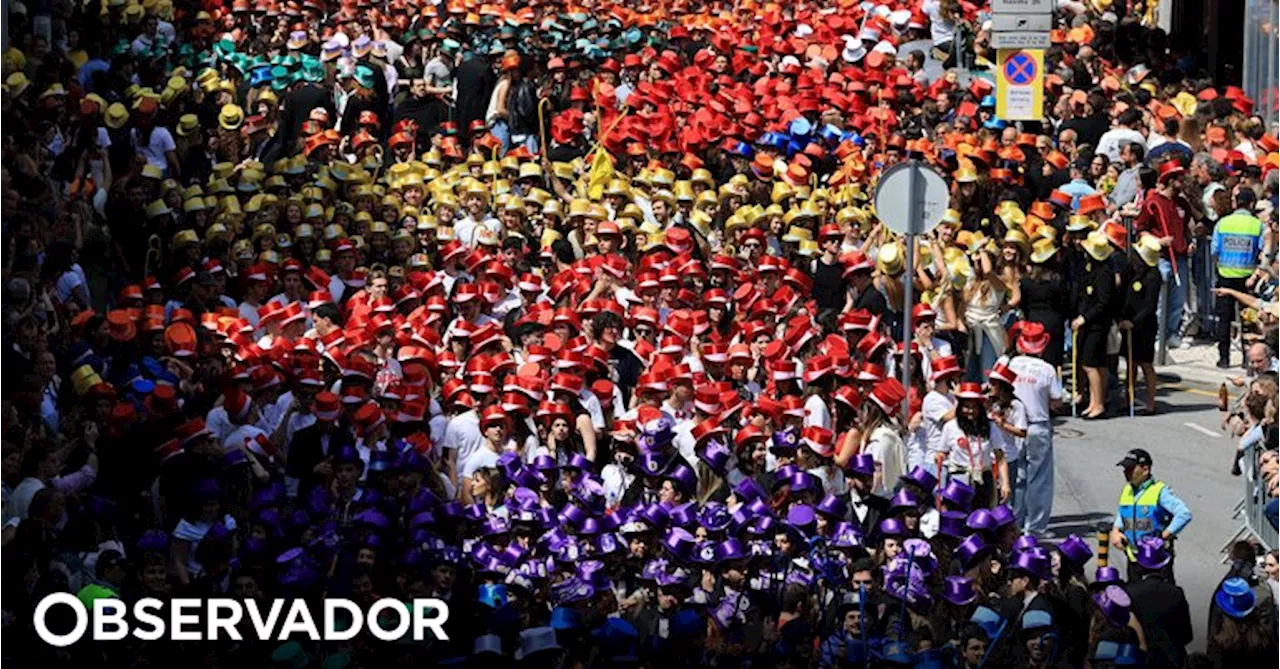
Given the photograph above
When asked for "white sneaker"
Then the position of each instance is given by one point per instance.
(1174, 342)
(1185, 344)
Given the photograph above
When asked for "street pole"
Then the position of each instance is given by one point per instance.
(914, 207)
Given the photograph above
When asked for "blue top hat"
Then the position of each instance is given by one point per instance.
(1235, 597)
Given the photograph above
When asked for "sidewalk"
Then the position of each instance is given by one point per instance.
(1198, 365)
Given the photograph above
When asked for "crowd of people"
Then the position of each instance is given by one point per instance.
(579, 317)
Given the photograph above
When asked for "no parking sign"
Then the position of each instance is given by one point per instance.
(1020, 84)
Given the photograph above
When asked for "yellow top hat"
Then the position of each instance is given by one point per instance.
(889, 259)
(796, 234)
(1148, 248)
(231, 117)
(1042, 250)
(1097, 245)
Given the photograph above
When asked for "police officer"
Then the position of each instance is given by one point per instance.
(1147, 507)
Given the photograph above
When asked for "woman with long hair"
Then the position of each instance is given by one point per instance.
(882, 440)
(1241, 636)
(973, 447)
(984, 296)
(489, 487)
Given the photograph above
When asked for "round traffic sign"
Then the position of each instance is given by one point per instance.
(1019, 68)
(911, 198)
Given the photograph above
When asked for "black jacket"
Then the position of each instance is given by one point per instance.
(307, 450)
(877, 509)
(1162, 609)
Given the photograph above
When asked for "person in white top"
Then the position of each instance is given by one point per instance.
(973, 447)
(1040, 391)
(881, 439)
(938, 407)
(462, 437)
(1010, 415)
(496, 442)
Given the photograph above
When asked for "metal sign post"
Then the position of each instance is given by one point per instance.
(911, 199)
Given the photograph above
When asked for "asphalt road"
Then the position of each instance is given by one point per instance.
(1189, 453)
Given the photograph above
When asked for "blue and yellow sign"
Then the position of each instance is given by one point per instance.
(1020, 84)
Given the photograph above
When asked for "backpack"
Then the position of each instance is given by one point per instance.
(523, 109)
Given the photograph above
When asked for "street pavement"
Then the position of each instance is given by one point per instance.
(1190, 454)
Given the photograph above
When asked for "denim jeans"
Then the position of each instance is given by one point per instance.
(502, 131)
(1018, 486)
(1177, 292)
(1037, 496)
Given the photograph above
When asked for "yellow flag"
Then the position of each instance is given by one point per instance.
(600, 174)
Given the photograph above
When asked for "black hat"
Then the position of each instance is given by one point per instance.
(1135, 457)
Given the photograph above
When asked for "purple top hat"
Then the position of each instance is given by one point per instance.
(1033, 561)
(679, 543)
(785, 442)
(1105, 576)
(683, 515)
(952, 524)
(574, 515)
(846, 535)
(1151, 553)
(412, 461)
(759, 507)
(982, 520)
(1025, 542)
(970, 550)
(762, 527)
(802, 481)
(372, 518)
(1075, 550)
(683, 478)
(580, 461)
(704, 553)
(654, 515)
(674, 578)
(527, 477)
(264, 497)
(862, 464)
(716, 456)
(382, 461)
(959, 590)
(153, 541)
(801, 517)
(1003, 515)
(545, 463)
(831, 505)
(347, 453)
(957, 493)
(1114, 603)
(747, 489)
(730, 549)
(422, 519)
(652, 568)
(608, 544)
(422, 501)
(494, 526)
(714, 516)
(590, 527)
(892, 527)
(920, 477)
(652, 464)
(904, 500)
(782, 475)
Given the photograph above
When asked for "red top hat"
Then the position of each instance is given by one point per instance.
(367, 418)
(970, 391)
(1032, 338)
(820, 440)
(707, 429)
(1170, 169)
(1001, 372)
(888, 395)
(945, 367)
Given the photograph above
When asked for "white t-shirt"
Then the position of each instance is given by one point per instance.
(940, 29)
(885, 446)
(1037, 385)
(484, 457)
(194, 533)
(1015, 415)
(935, 406)
(817, 412)
(463, 434)
(1115, 139)
(960, 447)
(161, 142)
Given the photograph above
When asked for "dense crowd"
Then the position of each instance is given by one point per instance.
(579, 317)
